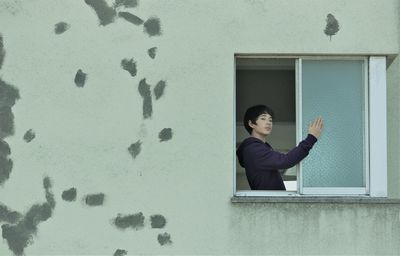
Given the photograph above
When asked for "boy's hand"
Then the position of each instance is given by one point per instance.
(315, 127)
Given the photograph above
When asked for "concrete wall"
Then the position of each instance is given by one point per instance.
(147, 143)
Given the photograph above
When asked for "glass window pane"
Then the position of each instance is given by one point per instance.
(334, 89)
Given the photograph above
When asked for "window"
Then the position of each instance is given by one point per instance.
(348, 92)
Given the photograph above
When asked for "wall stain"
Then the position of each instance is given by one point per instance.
(131, 18)
(29, 135)
(80, 78)
(164, 239)
(135, 148)
(165, 134)
(125, 3)
(158, 221)
(105, 13)
(6, 164)
(61, 27)
(9, 216)
(95, 199)
(120, 252)
(152, 52)
(49, 195)
(152, 26)
(8, 96)
(159, 89)
(130, 66)
(332, 26)
(145, 92)
(20, 235)
(2, 51)
(135, 221)
(11, 6)
(69, 195)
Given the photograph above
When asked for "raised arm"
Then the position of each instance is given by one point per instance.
(265, 158)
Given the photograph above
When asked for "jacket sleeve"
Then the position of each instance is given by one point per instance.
(267, 159)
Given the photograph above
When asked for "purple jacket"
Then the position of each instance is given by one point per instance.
(262, 162)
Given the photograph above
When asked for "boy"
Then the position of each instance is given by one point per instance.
(260, 160)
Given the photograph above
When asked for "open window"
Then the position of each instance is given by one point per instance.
(350, 156)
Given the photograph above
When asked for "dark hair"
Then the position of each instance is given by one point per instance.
(253, 113)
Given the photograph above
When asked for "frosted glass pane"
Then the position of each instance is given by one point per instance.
(334, 89)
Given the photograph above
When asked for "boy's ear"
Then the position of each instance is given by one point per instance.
(251, 124)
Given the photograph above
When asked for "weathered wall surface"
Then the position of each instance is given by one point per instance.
(116, 126)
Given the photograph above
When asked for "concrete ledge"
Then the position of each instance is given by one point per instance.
(319, 199)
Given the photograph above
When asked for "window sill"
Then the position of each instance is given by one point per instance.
(315, 199)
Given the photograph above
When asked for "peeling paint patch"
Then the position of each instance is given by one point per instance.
(61, 27)
(105, 13)
(159, 89)
(158, 221)
(126, 3)
(131, 18)
(6, 163)
(135, 148)
(69, 195)
(165, 134)
(120, 252)
(164, 239)
(29, 135)
(152, 52)
(332, 26)
(8, 95)
(135, 221)
(95, 199)
(80, 78)
(130, 66)
(2, 52)
(144, 90)
(9, 216)
(152, 26)
(20, 235)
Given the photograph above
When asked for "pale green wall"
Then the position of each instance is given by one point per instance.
(83, 134)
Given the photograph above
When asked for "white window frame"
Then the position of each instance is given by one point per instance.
(375, 155)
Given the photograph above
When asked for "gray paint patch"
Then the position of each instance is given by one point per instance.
(134, 149)
(80, 78)
(135, 221)
(29, 135)
(145, 92)
(95, 199)
(159, 89)
(6, 163)
(8, 95)
(20, 235)
(2, 52)
(165, 134)
(130, 66)
(158, 221)
(105, 13)
(120, 252)
(131, 18)
(164, 239)
(9, 216)
(61, 27)
(69, 195)
(152, 52)
(125, 3)
(332, 26)
(152, 26)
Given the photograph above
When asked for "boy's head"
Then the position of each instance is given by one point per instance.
(253, 113)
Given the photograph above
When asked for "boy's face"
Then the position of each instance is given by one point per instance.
(263, 125)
